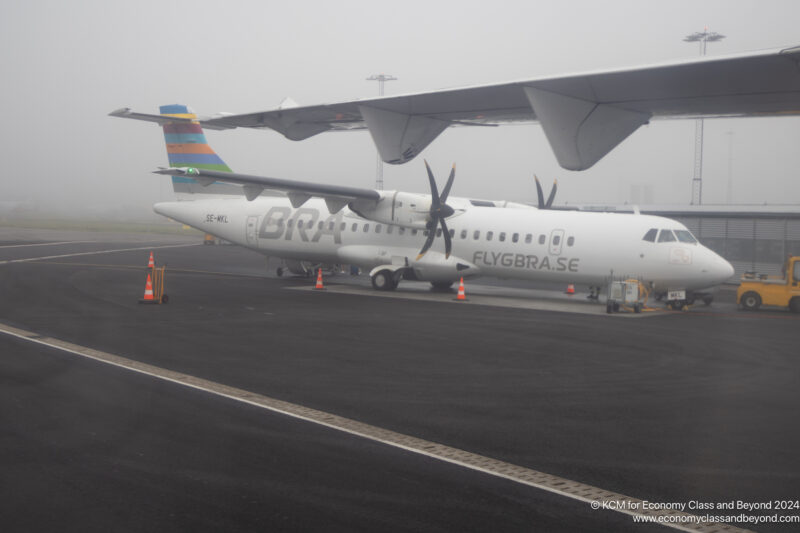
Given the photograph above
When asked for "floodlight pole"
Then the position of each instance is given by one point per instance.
(703, 37)
(381, 79)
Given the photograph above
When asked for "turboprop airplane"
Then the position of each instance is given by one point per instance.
(437, 238)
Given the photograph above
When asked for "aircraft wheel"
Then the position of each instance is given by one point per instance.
(637, 308)
(609, 308)
(750, 301)
(383, 280)
(794, 304)
(164, 299)
(442, 285)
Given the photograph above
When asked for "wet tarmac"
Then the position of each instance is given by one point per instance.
(678, 407)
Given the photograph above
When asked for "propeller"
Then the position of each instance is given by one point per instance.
(540, 193)
(438, 212)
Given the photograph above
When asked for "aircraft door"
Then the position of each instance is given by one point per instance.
(251, 231)
(556, 241)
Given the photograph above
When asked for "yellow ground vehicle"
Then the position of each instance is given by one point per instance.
(755, 291)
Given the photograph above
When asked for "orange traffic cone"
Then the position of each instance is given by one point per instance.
(570, 289)
(151, 263)
(148, 290)
(461, 294)
(319, 286)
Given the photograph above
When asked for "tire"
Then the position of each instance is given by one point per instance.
(164, 299)
(609, 308)
(442, 285)
(637, 308)
(750, 301)
(794, 304)
(383, 280)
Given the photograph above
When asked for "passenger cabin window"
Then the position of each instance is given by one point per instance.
(528, 238)
(439, 232)
(502, 236)
(489, 235)
(389, 230)
(401, 231)
(452, 233)
(377, 228)
(414, 231)
(666, 235)
(355, 227)
(570, 241)
(463, 234)
(319, 226)
(366, 228)
(477, 234)
(685, 236)
(542, 238)
(556, 240)
(650, 236)
(343, 226)
(796, 271)
(515, 237)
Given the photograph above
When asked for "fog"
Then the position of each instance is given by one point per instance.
(66, 65)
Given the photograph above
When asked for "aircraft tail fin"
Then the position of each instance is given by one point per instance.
(187, 147)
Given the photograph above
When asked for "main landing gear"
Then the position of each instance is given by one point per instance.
(385, 280)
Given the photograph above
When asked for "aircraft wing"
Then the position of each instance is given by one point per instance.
(336, 196)
(584, 116)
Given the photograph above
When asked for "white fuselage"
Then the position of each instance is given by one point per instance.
(506, 242)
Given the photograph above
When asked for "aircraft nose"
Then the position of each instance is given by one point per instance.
(720, 269)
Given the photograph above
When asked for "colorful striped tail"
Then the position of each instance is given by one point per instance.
(187, 147)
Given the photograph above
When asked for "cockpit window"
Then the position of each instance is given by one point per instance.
(685, 236)
(666, 235)
(650, 236)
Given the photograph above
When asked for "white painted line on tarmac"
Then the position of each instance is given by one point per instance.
(519, 474)
(527, 299)
(44, 244)
(31, 259)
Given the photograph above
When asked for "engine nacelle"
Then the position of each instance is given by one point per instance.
(410, 210)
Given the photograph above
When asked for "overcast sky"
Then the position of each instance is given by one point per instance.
(66, 65)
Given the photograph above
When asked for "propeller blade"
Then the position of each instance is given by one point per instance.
(552, 195)
(448, 245)
(434, 191)
(539, 192)
(446, 191)
(428, 241)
